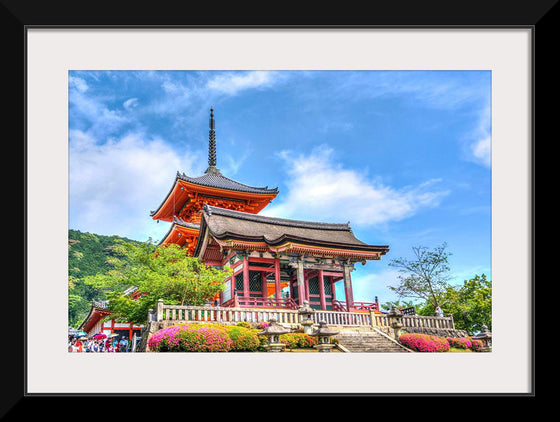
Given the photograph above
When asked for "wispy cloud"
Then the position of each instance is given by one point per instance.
(321, 189)
(130, 103)
(479, 147)
(233, 82)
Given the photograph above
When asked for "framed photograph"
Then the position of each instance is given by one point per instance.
(417, 134)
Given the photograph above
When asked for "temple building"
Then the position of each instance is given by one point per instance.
(99, 321)
(282, 263)
(276, 262)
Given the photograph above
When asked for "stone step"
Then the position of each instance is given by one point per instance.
(359, 341)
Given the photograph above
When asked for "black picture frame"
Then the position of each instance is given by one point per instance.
(18, 16)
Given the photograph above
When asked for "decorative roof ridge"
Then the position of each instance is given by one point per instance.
(181, 222)
(216, 173)
(210, 210)
(101, 304)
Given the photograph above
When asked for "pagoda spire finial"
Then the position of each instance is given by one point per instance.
(212, 144)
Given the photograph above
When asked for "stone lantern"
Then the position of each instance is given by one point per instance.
(324, 334)
(306, 319)
(396, 321)
(486, 337)
(273, 332)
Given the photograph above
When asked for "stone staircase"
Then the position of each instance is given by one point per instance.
(368, 340)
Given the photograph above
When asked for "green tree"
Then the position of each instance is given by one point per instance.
(425, 277)
(471, 304)
(404, 304)
(158, 272)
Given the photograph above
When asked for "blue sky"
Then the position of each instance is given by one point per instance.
(404, 156)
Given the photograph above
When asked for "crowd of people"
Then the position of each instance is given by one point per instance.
(98, 345)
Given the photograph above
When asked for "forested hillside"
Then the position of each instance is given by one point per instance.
(87, 255)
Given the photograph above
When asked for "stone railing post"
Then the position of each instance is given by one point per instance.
(305, 314)
(159, 313)
(372, 318)
(395, 317)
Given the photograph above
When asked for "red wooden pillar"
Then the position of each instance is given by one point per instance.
(245, 276)
(322, 291)
(306, 284)
(277, 286)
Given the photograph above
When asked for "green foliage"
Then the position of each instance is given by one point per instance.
(243, 339)
(88, 255)
(158, 272)
(425, 277)
(404, 304)
(298, 340)
(470, 304)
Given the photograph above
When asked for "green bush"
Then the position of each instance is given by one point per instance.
(244, 339)
(298, 340)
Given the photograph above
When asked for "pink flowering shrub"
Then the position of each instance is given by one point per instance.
(424, 342)
(190, 338)
(262, 325)
(476, 345)
(460, 342)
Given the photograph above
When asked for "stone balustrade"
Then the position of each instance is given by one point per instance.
(216, 314)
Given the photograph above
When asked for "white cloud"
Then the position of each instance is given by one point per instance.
(130, 103)
(100, 118)
(114, 186)
(479, 143)
(77, 83)
(481, 151)
(321, 189)
(232, 83)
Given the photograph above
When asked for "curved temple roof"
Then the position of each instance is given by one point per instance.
(227, 224)
(213, 178)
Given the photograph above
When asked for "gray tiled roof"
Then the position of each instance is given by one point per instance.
(224, 224)
(181, 222)
(214, 178)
